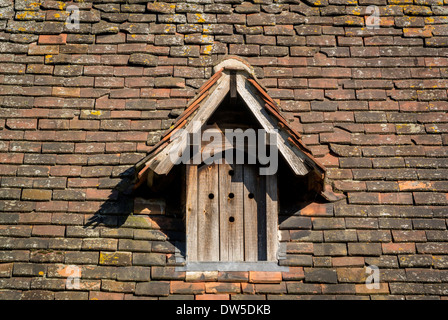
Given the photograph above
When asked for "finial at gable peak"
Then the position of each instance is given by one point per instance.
(234, 63)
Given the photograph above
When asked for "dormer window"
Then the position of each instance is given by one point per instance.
(231, 206)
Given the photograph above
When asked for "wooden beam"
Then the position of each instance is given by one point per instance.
(162, 164)
(294, 158)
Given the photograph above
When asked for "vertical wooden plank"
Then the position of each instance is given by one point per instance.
(233, 91)
(261, 215)
(250, 214)
(208, 213)
(191, 212)
(231, 212)
(271, 217)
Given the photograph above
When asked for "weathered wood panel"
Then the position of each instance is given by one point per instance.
(231, 212)
(271, 217)
(261, 214)
(250, 214)
(208, 213)
(192, 212)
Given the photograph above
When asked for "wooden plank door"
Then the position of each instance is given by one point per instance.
(231, 213)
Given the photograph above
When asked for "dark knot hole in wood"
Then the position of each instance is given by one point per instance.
(231, 219)
(231, 195)
(251, 195)
(211, 196)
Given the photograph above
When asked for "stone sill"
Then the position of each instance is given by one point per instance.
(232, 266)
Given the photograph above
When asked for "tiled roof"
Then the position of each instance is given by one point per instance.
(79, 107)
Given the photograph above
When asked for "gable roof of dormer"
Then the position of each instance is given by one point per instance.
(263, 107)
